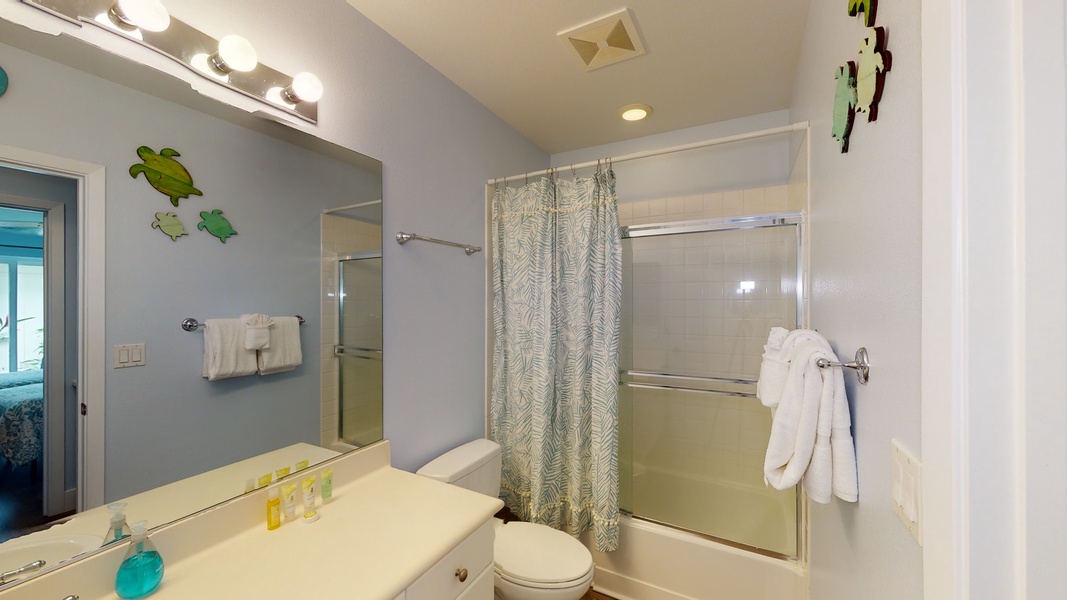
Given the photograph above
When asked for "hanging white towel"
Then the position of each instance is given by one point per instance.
(257, 331)
(811, 429)
(225, 355)
(773, 369)
(284, 353)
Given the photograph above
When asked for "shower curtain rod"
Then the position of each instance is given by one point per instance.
(650, 153)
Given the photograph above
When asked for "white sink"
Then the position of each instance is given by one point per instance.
(53, 549)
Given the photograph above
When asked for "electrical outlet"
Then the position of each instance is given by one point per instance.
(907, 489)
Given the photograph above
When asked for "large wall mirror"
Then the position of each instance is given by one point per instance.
(307, 216)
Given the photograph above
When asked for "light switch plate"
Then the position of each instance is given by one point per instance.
(128, 355)
(907, 489)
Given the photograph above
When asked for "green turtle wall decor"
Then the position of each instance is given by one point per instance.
(867, 7)
(165, 174)
(216, 224)
(870, 73)
(844, 104)
(169, 224)
(3, 81)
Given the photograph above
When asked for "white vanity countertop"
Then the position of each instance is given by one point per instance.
(376, 538)
(383, 529)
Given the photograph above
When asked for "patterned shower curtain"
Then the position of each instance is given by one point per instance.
(557, 297)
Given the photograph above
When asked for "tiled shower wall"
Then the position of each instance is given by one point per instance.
(340, 236)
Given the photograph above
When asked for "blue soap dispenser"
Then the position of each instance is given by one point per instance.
(142, 568)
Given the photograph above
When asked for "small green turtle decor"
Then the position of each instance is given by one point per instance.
(216, 224)
(169, 224)
(165, 174)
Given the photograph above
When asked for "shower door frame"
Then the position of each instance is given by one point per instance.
(781, 219)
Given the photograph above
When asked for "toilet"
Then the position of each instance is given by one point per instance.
(531, 561)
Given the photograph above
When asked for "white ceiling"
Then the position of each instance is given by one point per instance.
(706, 61)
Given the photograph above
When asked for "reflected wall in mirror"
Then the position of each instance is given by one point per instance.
(166, 427)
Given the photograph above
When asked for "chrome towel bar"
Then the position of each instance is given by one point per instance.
(403, 238)
(862, 365)
(191, 324)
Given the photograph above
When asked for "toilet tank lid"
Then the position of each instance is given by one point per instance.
(460, 462)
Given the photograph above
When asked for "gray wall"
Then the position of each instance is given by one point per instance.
(739, 165)
(866, 268)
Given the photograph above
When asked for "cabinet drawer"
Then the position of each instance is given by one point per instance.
(441, 582)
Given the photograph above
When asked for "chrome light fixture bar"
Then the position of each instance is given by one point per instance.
(230, 62)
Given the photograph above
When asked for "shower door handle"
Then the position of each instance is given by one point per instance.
(340, 351)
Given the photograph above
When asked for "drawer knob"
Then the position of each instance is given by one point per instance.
(461, 574)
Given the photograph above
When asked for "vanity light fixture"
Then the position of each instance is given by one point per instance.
(231, 62)
(635, 112)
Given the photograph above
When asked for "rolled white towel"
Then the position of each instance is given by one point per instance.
(257, 331)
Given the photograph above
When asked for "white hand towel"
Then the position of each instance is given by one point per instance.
(284, 353)
(795, 422)
(225, 355)
(773, 369)
(257, 331)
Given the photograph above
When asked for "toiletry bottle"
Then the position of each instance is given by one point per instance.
(119, 529)
(142, 568)
(326, 485)
(289, 501)
(274, 509)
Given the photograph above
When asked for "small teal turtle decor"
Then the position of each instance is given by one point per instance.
(216, 224)
(169, 224)
(3, 81)
(165, 174)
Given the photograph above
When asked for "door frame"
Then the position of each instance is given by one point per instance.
(90, 179)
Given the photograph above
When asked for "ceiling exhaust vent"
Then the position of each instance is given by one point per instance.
(604, 41)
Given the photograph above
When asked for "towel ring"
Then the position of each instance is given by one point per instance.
(862, 365)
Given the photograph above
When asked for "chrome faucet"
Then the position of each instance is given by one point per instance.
(7, 576)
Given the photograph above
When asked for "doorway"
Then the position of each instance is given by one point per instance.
(38, 410)
(79, 345)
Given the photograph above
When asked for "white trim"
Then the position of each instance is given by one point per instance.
(91, 313)
(994, 296)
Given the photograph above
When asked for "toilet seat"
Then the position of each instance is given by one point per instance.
(538, 556)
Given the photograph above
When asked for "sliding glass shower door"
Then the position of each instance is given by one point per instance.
(360, 351)
(699, 301)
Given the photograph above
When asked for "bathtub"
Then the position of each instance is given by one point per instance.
(657, 562)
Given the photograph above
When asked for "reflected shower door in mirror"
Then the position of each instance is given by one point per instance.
(352, 324)
(360, 350)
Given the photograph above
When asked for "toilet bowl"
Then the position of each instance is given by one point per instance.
(530, 561)
(536, 562)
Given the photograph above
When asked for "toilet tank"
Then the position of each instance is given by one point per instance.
(474, 466)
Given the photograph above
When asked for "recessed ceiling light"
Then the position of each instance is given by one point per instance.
(635, 112)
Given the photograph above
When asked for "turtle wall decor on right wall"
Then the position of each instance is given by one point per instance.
(858, 85)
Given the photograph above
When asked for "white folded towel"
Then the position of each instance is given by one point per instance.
(284, 352)
(811, 429)
(773, 370)
(225, 355)
(257, 331)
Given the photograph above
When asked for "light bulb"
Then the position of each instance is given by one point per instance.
(306, 87)
(234, 54)
(149, 15)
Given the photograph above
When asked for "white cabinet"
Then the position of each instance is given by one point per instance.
(463, 572)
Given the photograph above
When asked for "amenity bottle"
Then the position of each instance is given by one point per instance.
(142, 568)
